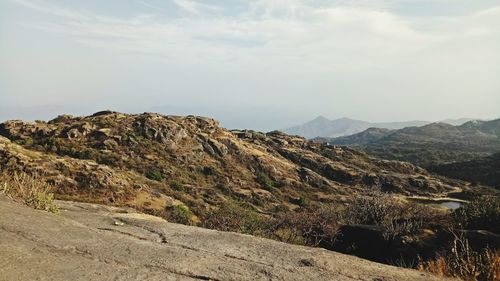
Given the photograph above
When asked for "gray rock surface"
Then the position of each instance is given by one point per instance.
(95, 242)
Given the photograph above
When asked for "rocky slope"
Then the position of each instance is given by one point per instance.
(151, 162)
(433, 144)
(95, 242)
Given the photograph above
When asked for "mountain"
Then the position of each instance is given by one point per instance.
(484, 170)
(323, 127)
(365, 137)
(127, 159)
(189, 170)
(429, 145)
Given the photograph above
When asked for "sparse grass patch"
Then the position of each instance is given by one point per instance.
(31, 190)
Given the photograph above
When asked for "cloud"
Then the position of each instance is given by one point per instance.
(195, 7)
(289, 32)
(297, 52)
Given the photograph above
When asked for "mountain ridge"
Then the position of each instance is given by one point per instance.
(139, 155)
(324, 127)
(436, 145)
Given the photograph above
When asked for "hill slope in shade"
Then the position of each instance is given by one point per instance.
(485, 170)
(323, 127)
(433, 145)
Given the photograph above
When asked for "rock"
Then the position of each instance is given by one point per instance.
(94, 242)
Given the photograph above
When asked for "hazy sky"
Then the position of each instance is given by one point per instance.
(256, 64)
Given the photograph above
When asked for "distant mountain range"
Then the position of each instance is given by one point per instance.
(324, 127)
(440, 147)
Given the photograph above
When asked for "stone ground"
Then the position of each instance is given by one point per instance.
(95, 242)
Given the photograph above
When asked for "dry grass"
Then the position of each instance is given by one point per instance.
(463, 262)
(33, 191)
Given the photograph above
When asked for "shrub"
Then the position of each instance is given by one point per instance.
(481, 213)
(304, 201)
(372, 210)
(31, 190)
(180, 214)
(231, 217)
(264, 181)
(312, 227)
(177, 185)
(463, 262)
(395, 218)
(154, 175)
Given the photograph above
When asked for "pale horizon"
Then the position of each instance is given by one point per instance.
(260, 65)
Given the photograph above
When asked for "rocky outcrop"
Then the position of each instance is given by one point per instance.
(95, 242)
(123, 159)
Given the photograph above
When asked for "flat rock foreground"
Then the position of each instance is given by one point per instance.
(95, 242)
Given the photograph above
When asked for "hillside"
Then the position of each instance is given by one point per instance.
(432, 144)
(191, 171)
(322, 127)
(485, 170)
(152, 161)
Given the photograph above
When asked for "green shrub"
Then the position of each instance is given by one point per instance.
(181, 214)
(177, 185)
(154, 175)
(304, 201)
(264, 181)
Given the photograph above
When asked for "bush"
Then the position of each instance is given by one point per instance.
(395, 218)
(463, 262)
(482, 213)
(154, 175)
(304, 201)
(372, 210)
(231, 217)
(312, 227)
(264, 181)
(31, 190)
(180, 214)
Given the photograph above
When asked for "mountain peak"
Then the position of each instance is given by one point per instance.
(320, 118)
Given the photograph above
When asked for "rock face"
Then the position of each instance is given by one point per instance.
(95, 242)
(148, 160)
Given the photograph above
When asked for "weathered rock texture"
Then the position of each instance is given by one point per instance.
(95, 242)
(150, 161)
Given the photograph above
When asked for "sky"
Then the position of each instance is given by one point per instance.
(263, 64)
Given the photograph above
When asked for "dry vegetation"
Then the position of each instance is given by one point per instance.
(31, 190)
(319, 225)
(462, 261)
(191, 171)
